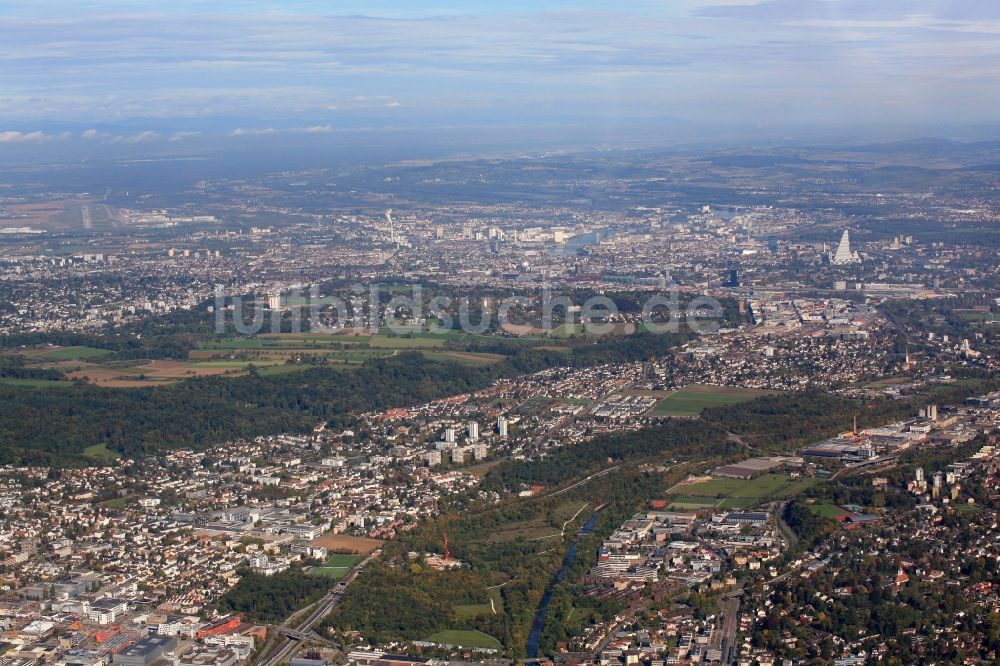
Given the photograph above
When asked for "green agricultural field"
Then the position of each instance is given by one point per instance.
(567, 330)
(472, 639)
(466, 358)
(283, 369)
(695, 501)
(354, 355)
(691, 400)
(243, 343)
(310, 343)
(766, 487)
(233, 365)
(34, 383)
(714, 488)
(69, 353)
(737, 503)
(413, 341)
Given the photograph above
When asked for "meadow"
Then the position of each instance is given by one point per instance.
(740, 493)
(691, 400)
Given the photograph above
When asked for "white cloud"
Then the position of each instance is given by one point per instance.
(677, 56)
(180, 136)
(92, 134)
(241, 131)
(269, 131)
(141, 137)
(12, 136)
(315, 129)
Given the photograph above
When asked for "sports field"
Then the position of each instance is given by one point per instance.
(337, 566)
(991, 317)
(828, 510)
(473, 639)
(691, 400)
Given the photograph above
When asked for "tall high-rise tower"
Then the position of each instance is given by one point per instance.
(844, 255)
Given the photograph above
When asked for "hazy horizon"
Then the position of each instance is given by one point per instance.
(122, 78)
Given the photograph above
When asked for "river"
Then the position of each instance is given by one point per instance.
(576, 243)
(543, 609)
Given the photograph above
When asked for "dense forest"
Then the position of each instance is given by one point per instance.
(273, 598)
(53, 425)
(50, 426)
(810, 527)
(677, 439)
(392, 603)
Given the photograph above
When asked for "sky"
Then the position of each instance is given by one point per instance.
(131, 73)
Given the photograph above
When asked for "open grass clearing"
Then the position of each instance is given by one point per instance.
(465, 638)
(765, 487)
(101, 452)
(691, 400)
(337, 566)
(492, 607)
(466, 358)
(67, 353)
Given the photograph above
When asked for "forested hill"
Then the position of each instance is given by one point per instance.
(55, 425)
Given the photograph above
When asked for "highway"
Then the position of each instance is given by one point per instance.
(287, 637)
